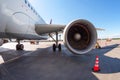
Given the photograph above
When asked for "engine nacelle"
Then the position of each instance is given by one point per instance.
(80, 36)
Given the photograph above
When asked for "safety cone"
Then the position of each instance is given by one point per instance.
(96, 67)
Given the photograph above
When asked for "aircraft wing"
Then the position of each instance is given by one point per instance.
(48, 28)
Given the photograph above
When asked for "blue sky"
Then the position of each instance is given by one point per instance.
(102, 13)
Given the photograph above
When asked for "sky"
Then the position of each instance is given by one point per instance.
(103, 14)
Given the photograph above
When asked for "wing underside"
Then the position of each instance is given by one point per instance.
(49, 28)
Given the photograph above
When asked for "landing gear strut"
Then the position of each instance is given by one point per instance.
(56, 45)
(19, 46)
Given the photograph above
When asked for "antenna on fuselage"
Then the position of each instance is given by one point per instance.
(51, 21)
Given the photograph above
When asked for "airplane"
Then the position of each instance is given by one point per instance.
(19, 20)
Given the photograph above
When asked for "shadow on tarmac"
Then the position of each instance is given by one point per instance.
(108, 64)
(43, 64)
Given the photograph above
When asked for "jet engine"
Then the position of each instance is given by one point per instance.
(80, 36)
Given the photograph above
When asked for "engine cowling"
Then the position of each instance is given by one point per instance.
(80, 36)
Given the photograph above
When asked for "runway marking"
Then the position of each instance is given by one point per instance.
(1, 60)
(26, 54)
(15, 58)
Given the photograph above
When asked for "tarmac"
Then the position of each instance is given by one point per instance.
(39, 62)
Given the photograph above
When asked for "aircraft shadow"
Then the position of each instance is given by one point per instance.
(45, 64)
(108, 64)
(11, 54)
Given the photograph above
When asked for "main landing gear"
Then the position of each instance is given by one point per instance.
(56, 45)
(19, 46)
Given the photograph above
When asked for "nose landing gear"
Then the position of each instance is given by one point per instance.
(19, 46)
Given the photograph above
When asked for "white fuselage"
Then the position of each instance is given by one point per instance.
(18, 19)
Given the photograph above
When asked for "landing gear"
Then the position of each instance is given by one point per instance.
(59, 47)
(56, 45)
(19, 46)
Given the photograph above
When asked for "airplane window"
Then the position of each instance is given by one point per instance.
(25, 1)
(28, 5)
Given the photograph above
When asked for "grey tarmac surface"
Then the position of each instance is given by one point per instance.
(39, 62)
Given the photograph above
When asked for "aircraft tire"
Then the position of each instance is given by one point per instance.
(19, 47)
(59, 47)
(54, 47)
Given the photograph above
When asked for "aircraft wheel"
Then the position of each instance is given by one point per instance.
(59, 47)
(54, 47)
(19, 47)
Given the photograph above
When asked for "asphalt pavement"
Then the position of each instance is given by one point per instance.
(41, 63)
